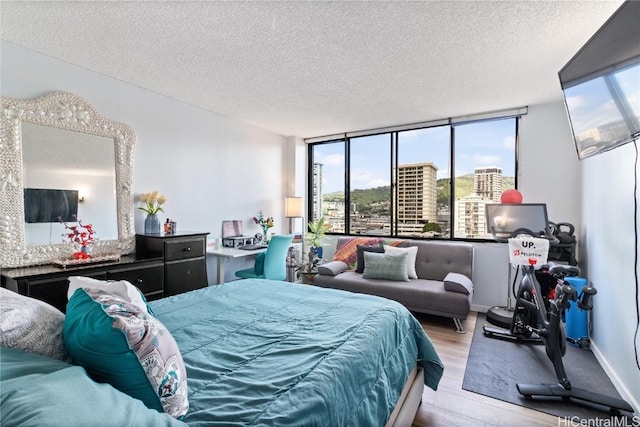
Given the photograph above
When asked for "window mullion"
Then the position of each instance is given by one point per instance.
(452, 177)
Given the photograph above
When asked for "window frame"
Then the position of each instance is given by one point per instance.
(393, 146)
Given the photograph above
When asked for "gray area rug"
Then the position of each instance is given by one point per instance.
(495, 366)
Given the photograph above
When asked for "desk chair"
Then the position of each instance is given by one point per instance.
(272, 263)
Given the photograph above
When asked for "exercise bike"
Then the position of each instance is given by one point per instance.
(535, 319)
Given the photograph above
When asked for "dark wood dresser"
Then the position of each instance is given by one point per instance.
(162, 266)
(49, 283)
(184, 257)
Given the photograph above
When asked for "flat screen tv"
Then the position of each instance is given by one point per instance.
(601, 85)
(503, 219)
(45, 205)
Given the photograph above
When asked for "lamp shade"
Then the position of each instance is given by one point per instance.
(293, 207)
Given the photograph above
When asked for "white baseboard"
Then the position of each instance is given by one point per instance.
(611, 373)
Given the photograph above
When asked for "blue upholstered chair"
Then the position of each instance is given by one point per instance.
(272, 263)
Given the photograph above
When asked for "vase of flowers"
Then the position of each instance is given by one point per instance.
(265, 223)
(153, 202)
(80, 234)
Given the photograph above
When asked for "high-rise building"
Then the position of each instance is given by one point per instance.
(487, 183)
(470, 221)
(417, 196)
(316, 197)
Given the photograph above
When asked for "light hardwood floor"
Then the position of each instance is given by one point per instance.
(453, 406)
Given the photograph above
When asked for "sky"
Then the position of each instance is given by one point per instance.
(591, 105)
(480, 144)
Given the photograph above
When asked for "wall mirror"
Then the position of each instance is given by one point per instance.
(58, 147)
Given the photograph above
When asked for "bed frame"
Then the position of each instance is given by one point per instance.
(410, 399)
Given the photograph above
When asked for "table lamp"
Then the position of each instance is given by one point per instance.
(293, 208)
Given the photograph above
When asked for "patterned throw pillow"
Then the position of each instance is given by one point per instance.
(412, 252)
(31, 325)
(348, 252)
(385, 266)
(109, 331)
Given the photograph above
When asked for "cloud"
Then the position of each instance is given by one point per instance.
(574, 102)
(509, 142)
(365, 179)
(410, 134)
(485, 159)
(332, 160)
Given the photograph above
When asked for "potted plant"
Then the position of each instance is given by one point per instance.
(316, 233)
(307, 269)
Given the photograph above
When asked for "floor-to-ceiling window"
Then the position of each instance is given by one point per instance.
(424, 182)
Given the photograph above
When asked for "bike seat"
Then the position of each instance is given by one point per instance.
(565, 270)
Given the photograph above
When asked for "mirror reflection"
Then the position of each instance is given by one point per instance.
(59, 149)
(67, 173)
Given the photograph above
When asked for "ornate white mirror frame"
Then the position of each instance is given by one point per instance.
(64, 111)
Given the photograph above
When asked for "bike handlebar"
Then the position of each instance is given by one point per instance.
(542, 235)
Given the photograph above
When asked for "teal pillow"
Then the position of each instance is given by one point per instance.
(386, 266)
(258, 267)
(38, 391)
(109, 332)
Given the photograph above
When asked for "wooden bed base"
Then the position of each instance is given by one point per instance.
(409, 401)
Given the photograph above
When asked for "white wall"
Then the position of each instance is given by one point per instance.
(610, 241)
(211, 168)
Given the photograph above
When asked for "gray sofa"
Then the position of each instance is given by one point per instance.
(443, 287)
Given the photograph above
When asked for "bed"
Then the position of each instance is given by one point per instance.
(260, 352)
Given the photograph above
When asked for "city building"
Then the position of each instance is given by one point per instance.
(417, 195)
(487, 182)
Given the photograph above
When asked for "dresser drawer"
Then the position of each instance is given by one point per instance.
(184, 248)
(148, 279)
(54, 290)
(183, 276)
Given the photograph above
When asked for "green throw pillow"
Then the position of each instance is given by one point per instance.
(386, 266)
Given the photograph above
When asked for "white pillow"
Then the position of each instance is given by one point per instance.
(31, 325)
(77, 282)
(412, 253)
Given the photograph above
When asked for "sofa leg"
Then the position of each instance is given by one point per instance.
(459, 327)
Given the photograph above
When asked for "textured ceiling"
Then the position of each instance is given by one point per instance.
(309, 68)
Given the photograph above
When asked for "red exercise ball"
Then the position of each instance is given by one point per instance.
(511, 196)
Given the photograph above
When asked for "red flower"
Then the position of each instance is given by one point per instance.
(81, 234)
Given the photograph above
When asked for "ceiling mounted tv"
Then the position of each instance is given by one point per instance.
(45, 205)
(601, 85)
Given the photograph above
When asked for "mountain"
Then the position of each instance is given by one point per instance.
(370, 199)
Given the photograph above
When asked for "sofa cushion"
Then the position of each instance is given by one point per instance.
(412, 252)
(436, 259)
(457, 282)
(425, 296)
(347, 248)
(385, 266)
(332, 268)
(32, 325)
(109, 331)
(360, 264)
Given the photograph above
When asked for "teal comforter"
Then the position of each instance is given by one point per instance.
(265, 353)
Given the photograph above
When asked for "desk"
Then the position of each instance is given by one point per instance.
(224, 253)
